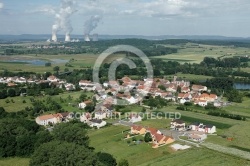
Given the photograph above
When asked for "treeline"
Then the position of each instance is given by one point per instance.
(151, 48)
(231, 62)
(213, 112)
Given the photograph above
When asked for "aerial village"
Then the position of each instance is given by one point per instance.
(108, 93)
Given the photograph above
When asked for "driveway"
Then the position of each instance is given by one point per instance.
(124, 123)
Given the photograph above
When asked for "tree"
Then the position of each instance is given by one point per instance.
(11, 92)
(147, 137)
(57, 153)
(48, 64)
(123, 162)
(107, 159)
(71, 132)
(56, 68)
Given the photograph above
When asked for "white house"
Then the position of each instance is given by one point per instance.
(97, 123)
(21, 80)
(132, 100)
(85, 117)
(135, 118)
(202, 103)
(52, 78)
(203, 128)
(177, 124)
(100, 115)
(45, 120)
(69, 87)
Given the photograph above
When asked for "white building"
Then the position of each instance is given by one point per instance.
(100, 115)
(52, 79)
(133, 118)
(97, 123)
(203, 128)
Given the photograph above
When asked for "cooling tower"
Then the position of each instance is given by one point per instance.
(87, 39)
(54, 38)
(67, 37)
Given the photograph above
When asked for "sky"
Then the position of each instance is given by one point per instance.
(129, 17)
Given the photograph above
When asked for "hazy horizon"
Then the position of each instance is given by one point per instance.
(229, 18)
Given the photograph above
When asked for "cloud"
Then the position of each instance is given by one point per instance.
(1, 5)
(46, 9)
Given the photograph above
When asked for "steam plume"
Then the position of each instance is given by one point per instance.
(63, 19)
(1, 5)
(90, 25)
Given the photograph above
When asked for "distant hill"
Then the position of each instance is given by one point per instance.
(44, 37)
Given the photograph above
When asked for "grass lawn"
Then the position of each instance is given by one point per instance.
(17, 106)
(156, 123)
(196, 157)
(67, 106)
(14, 161)
(190, 77)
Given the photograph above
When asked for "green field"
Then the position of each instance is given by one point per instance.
(78, 61)
(14, 162)
(190, 77)
(69, 105)
(110, 140)
(195, 53)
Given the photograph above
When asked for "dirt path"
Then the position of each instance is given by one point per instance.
(228, 150)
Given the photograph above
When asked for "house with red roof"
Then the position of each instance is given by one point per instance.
(138, 130)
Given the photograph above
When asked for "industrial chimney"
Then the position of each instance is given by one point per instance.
(67, 37)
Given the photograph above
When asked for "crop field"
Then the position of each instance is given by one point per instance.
(195, 53)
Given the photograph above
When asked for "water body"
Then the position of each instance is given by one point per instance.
(38, 62)
(242, 86)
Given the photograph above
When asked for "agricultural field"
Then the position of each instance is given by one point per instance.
(78, 61)
(195, 53)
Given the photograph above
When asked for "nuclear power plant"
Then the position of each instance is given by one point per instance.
(62, 21)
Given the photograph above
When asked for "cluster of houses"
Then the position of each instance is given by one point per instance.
(13, 81)
(52, 119)
(196, 131)
(158, 139)
(131, 91)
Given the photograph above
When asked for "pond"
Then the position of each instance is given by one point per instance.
(37, 62)
(242, 86)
